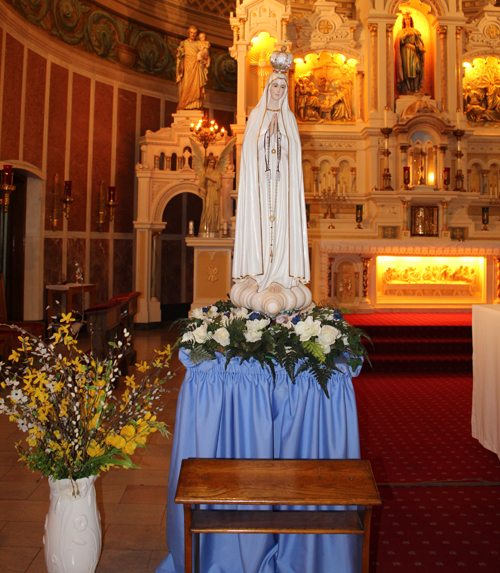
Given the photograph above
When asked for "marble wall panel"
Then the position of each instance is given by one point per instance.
(101, 155)
(76, 254)
(52, 270)
(170, 108)
(11, 108)
(123, 266)
(125, 161)
(150, 113)
(171, 270)
(34, 109)
(56, 148)
(99, 265)
(79, 151)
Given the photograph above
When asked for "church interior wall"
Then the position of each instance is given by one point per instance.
(73, 114)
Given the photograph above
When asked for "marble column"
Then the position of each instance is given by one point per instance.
(373, 28)
(443, 61)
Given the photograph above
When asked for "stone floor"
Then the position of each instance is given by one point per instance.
(132, 503)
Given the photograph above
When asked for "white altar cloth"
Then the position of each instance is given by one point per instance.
(486, 368)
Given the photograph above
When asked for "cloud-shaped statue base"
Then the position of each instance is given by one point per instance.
(273, 300)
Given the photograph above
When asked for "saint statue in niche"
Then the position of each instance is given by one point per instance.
(210, 173)
(409, 57)
(192, 70)
(271, 258)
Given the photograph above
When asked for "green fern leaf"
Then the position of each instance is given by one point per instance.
(199, 354)
(315, 349)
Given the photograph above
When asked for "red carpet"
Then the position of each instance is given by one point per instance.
(440, 487)
(411, 319)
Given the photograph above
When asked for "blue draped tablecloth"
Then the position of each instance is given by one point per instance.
(239, 412)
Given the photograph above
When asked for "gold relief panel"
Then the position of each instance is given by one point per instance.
(481, 88)
(324, 88)
(430, 279)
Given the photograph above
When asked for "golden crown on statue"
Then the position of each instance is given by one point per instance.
(281, 61)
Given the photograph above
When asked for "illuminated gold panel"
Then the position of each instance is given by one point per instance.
(430, 279)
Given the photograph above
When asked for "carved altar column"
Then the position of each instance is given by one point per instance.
(154, 265)
(366, 263)
(458, 68)
(405, 215)
(404, 163)
(353, 177)
(442, 157)
(497, 299)
(443, 49)
(360, 76)
(373, 28)
(315, 171)
(389, 50)
(484, 180)
(444, 215)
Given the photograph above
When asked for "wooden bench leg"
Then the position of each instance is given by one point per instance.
(188, 550)
(366, 538)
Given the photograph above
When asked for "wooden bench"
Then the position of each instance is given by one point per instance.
(275, 482)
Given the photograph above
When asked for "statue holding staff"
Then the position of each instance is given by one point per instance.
(191, 71)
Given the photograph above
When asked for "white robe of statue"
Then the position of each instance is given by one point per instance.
(271, 258)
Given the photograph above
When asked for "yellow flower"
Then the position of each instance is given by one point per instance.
(67, 317)
(14, 356)
(115, 441)
(128, 432)
(57, 336)
(93, 423)
(130, 381)
(141, 439)
(142, 366)
(95, 450)
(129, 448)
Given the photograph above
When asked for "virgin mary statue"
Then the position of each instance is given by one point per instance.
(271, 258)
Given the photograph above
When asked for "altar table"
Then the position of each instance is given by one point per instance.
(486, 381)
(68, 291)
(241, 413)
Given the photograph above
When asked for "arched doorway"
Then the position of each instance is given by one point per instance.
(175, 257)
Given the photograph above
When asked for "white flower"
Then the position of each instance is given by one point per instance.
(257, 324)
(197, 313)
(328, 335)
(16, 395)
(225, 320)
(325, 347)
(22, 425)
(345, 340)
(288, 325)
(282, 319)
(307, 328)
(222, 336)
(253, 335)
(241, 313)
(212, 311)
(201, 334)
(187, 337)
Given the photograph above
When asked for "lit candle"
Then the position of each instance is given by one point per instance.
(458, 144)
(111, 194)
(7, 174)
(386, 142)
(224, 226)
(67, 189)
(191, 228)
(385, 116)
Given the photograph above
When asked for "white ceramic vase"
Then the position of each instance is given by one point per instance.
(72, 537)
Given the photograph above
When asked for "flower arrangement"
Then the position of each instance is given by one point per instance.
(63, 398)
(310, 340)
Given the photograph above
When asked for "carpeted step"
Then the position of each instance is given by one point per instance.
(397, 345)
(420, 332)
(431, 363)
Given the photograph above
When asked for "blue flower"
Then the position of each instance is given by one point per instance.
(337, 315)
(205, 309)
(228, 314)
(297, 318)
(254, 316)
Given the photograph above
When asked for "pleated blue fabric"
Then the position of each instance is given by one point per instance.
(239, 412)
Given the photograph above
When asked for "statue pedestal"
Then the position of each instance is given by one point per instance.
(187, 116)
(212, 269)
(270, 301)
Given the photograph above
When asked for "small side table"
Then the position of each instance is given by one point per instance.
(275, 482)
(68, 291)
